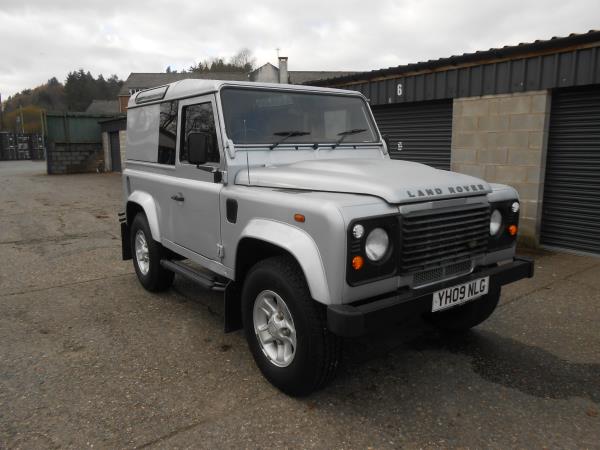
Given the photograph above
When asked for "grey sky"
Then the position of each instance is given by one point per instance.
(40, 39)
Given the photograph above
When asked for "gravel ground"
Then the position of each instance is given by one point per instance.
(90, 359)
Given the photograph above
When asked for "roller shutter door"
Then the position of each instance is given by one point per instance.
(571, 208)
(420, 132)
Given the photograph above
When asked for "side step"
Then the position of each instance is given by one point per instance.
(203, 279)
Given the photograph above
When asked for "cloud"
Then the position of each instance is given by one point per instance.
(42, 39)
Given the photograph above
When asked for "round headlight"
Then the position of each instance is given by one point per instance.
(377, 244)
(495, 222)
(515, 207)
(358, 230)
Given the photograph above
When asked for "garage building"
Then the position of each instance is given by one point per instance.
(526, 115)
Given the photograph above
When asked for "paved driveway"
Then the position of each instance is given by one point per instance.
(88, 358)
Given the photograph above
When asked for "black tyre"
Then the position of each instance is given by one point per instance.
(462, 318)
(286, 329)
(147, 254)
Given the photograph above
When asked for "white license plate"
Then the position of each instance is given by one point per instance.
(462, 293)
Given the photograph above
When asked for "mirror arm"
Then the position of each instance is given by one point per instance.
(209, 169)
(218, 175)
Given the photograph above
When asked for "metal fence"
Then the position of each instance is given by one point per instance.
(74, 128)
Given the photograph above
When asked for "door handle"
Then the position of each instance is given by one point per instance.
(177, 197)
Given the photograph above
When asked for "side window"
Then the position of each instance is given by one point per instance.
(167, 133)
(199, 119)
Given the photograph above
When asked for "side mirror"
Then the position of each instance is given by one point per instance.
(198, 144)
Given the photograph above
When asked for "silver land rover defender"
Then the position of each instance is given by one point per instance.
(285, 198)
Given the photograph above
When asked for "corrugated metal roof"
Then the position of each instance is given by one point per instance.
(302, 76)
(506, 52)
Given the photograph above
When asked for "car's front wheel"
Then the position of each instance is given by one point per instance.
(286, 329)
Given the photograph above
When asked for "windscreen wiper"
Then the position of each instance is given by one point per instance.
(286, 135)
(347, 133)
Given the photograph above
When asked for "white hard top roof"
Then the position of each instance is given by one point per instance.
(192, 87)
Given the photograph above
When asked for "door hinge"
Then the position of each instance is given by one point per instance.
(220, 251)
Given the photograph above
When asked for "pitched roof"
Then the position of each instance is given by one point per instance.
(506, 52)
(139, 80)
(103, 106)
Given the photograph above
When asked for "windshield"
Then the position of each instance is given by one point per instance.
(260, 116)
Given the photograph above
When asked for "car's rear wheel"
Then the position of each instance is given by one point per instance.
(462, 318)
(147, 254)
(286, 329)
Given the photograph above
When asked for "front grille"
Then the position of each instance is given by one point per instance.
(439, 237)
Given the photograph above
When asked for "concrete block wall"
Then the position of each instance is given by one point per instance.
(63, 158)
(502, 139)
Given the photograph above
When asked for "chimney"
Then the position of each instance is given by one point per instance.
(283, 70)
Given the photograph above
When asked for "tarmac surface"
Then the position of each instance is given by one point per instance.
(88, 358)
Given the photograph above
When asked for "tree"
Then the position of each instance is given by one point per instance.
(81, 88)
(76, 94)
(242, 61)
(31, 120)
(48, 96)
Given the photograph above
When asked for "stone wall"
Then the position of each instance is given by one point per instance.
(502, 139)
(65, 158)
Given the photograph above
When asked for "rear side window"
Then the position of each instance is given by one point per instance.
(167, 133)
(199, 119)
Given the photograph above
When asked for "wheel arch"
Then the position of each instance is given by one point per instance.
(263, 239)
(140, 201)
(268, 237)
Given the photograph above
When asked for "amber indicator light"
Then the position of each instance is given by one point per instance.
(512, 230)
(357, 262)
(299, 218)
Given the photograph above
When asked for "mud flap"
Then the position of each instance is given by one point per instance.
(233, 307)
(125, 242)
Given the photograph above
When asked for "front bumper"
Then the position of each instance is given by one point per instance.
(361, 317)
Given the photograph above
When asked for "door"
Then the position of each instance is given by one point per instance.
(571, 207)
(420, 132)
(195, 216)
(115, 151)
